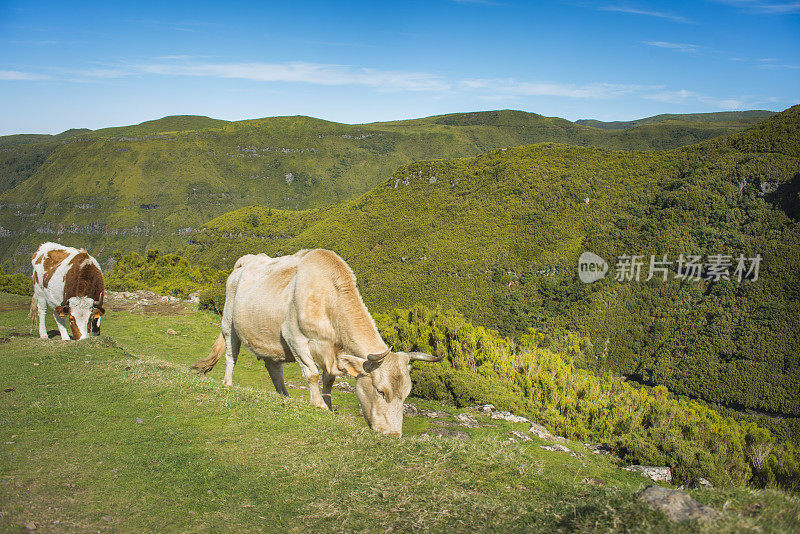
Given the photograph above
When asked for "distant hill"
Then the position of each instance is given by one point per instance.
(26, 139)
(497, 236)
(737, 117)
(149, 184)
(172, 123)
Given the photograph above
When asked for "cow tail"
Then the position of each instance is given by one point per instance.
(205, 366)
(33, 314)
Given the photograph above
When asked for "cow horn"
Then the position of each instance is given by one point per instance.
(421, 356)
(379, 357)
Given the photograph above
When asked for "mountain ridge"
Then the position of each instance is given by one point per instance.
(146, 185)
(750, 116)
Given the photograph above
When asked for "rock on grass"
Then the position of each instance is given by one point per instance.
(676, 505)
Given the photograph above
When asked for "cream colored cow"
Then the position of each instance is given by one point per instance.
(306, 308)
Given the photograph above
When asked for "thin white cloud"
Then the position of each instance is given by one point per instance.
(301, 72)
(102, 73)
(683, 96)
(513, 87)
(678, 47)
(779, 66)
(647, 13)
(764, 6)
(500, 89)
(493, 89)
(15, 75)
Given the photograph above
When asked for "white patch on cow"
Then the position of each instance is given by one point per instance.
(80, 308)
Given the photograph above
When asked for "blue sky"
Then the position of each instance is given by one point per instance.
(97, 64)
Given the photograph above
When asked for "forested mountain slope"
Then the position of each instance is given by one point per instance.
(150, 184)
(498, 237)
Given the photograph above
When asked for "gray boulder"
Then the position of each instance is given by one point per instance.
(557, 447)
(520, 436)
(676, 505)
(600, 448)
(657, 474)
(508, 416)
(700, 483)
(467, 420)
(541, 432)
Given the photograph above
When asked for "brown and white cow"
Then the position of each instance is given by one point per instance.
(306, 308)
(70, 281)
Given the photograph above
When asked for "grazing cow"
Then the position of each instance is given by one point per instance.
(306, 308)
(68, 280)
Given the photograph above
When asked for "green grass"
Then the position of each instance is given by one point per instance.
(205, 458)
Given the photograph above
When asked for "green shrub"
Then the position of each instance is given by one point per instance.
(213, 298)
(16, 283)
(463, 388)
(645, 425)
(167, 274)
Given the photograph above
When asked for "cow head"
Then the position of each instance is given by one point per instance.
(383, 382)
(79, 312)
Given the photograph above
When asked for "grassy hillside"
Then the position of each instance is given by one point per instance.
(731, 117)
(26, 139)
(172, 123)
(114, 434)
(147, 185)
(498, 238)
(19, 162)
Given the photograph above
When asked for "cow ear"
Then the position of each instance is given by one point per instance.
(62, 311)
(98, 311)
(352, 365)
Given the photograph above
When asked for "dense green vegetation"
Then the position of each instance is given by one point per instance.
(20, 162)
(537, 376)
(167, 274)
(498, 238)
(148, 185)
(17, 284)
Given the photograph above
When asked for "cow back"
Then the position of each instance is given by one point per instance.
(84, 278)
(257, 299)
(328, 304)
(61, 273)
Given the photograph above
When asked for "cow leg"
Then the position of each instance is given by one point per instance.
(302, 355)
(62, 328)
(232, 346)
(310, 373)
(327, 385)
(275, 370)
(42, 311)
